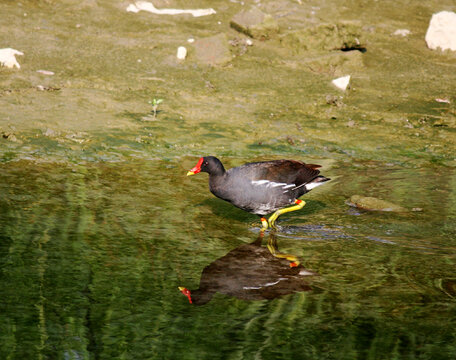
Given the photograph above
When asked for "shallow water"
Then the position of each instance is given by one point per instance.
(92, 257)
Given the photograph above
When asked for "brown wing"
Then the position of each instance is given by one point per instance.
(313, 166)
(282, 171)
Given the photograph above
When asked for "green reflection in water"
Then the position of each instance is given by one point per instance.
(91, 258)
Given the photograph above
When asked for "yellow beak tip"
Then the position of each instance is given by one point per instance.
(190, 173)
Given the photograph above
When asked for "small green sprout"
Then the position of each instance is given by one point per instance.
(155, 104)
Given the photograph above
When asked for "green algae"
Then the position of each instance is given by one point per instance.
(92, 254)
(99, 79)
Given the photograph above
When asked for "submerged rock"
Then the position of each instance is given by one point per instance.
(9, 136)
(442, 31)
(213, 50)
(50, 132)
(374, 204)
(255, 23)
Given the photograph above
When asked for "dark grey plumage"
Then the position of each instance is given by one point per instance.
(261, 187)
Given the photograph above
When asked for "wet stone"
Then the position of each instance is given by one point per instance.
(213, 50)
(334, 100)
(255, 24)
(49, 132)
(343, 36)
(374, 204)
(9, 136)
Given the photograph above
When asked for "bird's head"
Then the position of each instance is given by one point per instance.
(209, 164)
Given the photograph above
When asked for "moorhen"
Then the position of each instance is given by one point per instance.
(261, 187)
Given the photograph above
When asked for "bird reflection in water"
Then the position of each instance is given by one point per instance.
(252, 272)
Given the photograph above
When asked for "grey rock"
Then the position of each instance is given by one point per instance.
(255, 23)
(374, 204)
(213, 50)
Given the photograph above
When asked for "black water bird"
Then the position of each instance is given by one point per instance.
(262, 187)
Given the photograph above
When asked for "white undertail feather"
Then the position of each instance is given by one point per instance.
(260, 182)
(313, 185)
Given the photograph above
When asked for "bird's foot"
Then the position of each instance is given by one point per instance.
(293, 259)
(264, 224)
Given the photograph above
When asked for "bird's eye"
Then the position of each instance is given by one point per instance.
(205, 163)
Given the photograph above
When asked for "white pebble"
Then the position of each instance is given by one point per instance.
(191, 40)
(45, 72)
(442, 31)
(342, 82)
(402, 32)
(446, 101)
(181, 52)
(148, 6)
(8, 57)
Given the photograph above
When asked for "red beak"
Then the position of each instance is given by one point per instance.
(196, 169)
(186, 292)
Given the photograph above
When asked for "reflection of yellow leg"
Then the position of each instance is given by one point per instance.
(272, 246)
(299, 205)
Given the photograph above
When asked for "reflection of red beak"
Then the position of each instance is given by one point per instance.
(186, 292)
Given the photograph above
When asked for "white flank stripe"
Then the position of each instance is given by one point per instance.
(259, 182)
(264, 285)
(313, 185)
(274, 184)
(271, 183)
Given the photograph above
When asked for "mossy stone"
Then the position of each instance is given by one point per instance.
(255, 23)
(374, 204)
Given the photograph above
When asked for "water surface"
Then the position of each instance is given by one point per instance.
(92, 257)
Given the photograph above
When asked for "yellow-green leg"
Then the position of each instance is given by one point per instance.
(271, 221)
(264, 222)
(272, 247)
